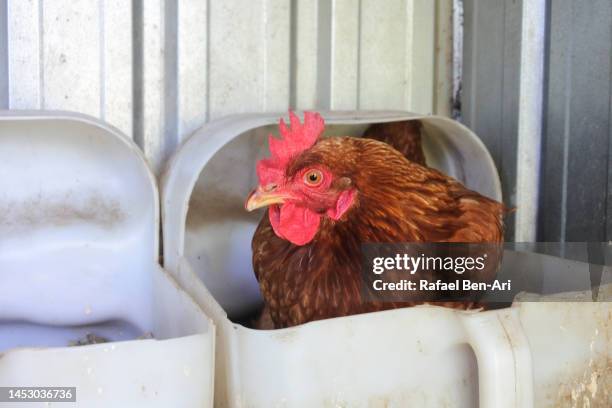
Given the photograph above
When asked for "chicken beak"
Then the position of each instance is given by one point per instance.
(261, 198)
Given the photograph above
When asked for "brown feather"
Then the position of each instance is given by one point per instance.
(404, 136)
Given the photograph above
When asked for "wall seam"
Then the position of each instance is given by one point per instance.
(41, 56)
(137, 72)
(102, 57)
(566, 128)
(358, 45)
(4, 56)
(324, 46)
(208, 62)
(170, 77)
(293, 54)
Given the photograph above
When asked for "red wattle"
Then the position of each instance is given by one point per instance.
(297, 225)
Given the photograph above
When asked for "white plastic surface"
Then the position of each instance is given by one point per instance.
(78, 255)
(424, 356)
(570, 337)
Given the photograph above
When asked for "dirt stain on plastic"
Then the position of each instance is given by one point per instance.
(286, 336)
(590, 386)
(61, 210)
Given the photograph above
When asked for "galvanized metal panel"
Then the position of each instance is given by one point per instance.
(151, 117)
(159, 69)
(249, 56)
(116, 64)
(345, 37)
(24, 55)
(556, 126)
(305, 54)
(385, 70)
(575, 190)
(507, 155)
(483, 70)
(578, 134)
(491, 85)
(609, 187)
(71, 73)
(421, 55)
(444, 58)
(192, 55)
(530, 113)
(276, 23)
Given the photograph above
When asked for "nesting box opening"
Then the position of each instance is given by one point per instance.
(78, 239)
(79, 250)
(218, 230)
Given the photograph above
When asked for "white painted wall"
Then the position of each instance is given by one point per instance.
(159, 69)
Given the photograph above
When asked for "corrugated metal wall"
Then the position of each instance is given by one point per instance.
(489, 100)
(576, 187)
(159, 69)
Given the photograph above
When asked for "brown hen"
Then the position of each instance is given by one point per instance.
(326, 197)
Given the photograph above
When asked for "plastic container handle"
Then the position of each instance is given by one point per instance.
(505, 374)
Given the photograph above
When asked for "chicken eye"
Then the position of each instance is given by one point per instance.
(313, 178)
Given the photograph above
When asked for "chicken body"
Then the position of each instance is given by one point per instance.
(394, 200)
(404, 136)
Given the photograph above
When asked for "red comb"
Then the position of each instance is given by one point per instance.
(293, 141)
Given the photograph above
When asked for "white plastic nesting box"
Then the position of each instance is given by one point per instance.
(570, 338)
(422, 357)
(79, 239)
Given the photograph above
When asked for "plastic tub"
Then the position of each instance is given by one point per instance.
(79, 225)
(424, 356)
